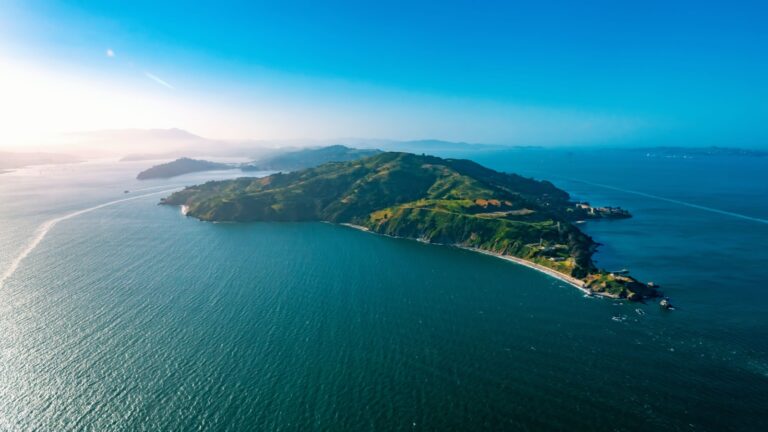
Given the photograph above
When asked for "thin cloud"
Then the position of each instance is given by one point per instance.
(158, 80)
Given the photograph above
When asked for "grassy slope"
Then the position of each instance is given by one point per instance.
(438, 200)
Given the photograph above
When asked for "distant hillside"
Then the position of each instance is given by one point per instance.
(448, 201)
(181, 166)
(154, 144)
(432, 146)
(307, 158)
(139, 144)
(174, 143)
(282, 161)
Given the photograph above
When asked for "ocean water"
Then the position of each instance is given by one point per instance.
(129, 316)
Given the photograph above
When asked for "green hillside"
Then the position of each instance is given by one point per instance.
(309, 157)
(448, 201)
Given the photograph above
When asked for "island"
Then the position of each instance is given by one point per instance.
(181, 166)
(446, 201)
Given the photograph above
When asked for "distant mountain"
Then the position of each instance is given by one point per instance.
(139, 144)
(282, 161)
(10, 160)
(140, 134)
(306, 158)
(157, 144)
(448, 201)
(169, 144)
(181, 166)
(430, 146)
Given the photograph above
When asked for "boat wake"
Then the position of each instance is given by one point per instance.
(674, 201)
(48, 225)
(154, 187)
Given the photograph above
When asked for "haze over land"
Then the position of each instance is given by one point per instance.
(174, 143)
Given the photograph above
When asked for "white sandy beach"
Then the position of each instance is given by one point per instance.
(578, 283)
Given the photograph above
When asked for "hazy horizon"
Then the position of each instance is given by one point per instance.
(553, 75)
(177, 142)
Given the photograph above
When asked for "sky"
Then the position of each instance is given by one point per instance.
(549, 73)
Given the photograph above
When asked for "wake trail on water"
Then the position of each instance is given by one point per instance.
(48, 225)
(683, 203)
(154, 187)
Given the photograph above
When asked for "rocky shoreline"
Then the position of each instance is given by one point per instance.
(585, 286)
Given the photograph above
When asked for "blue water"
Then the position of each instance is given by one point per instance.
(133, 317)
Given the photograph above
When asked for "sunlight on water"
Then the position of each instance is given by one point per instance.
(132, 316)
(43, 230)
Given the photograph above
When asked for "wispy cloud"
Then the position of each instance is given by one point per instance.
(158, 80)
(109, 52)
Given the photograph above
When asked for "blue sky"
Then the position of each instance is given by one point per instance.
(545, 72)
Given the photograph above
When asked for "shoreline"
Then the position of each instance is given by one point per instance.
(570, 280)
(357, 227)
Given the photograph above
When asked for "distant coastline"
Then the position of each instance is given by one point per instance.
(10, 161)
